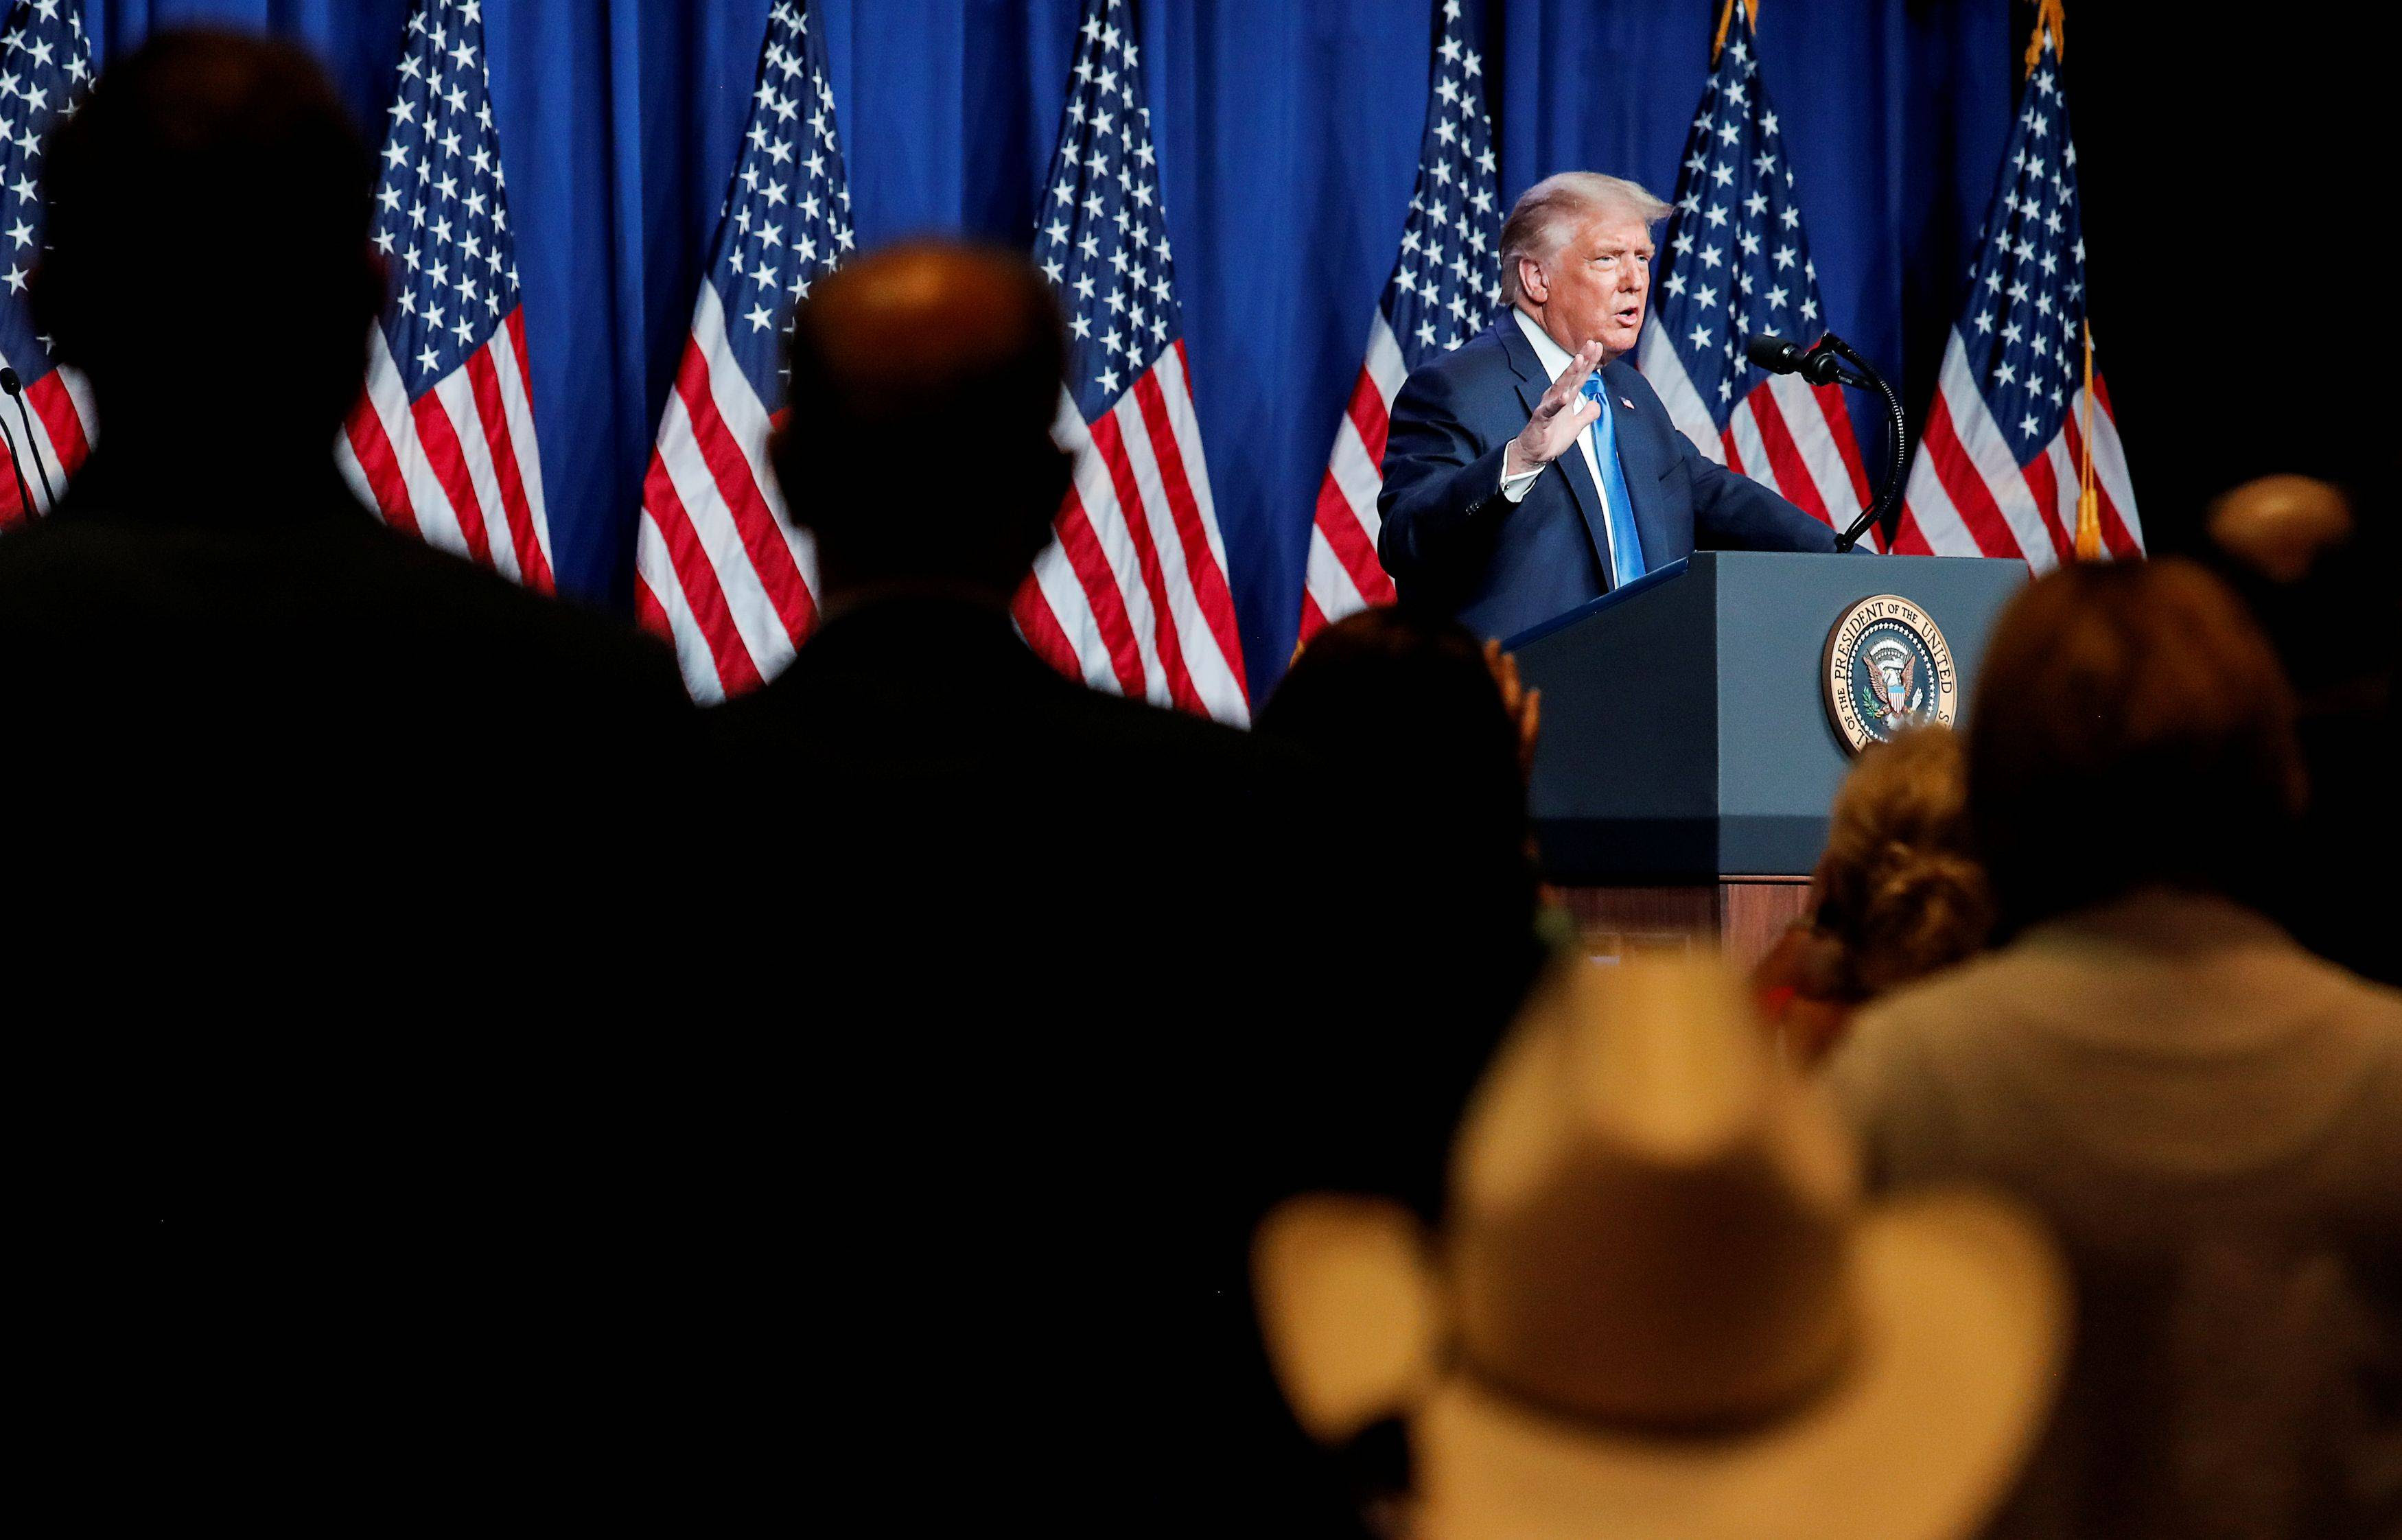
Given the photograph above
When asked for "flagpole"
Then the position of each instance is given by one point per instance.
(2050, 17)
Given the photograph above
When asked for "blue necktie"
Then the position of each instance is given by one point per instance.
(1625, 546)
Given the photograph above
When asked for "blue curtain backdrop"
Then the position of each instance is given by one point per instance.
(1288, 133)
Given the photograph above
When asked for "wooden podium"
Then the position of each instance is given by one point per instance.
(1687, 758)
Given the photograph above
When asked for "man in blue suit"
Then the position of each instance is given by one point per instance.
(1534, 469)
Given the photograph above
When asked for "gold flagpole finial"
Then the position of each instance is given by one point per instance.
(2089, 502)
(2049, 17)
(1726, 20)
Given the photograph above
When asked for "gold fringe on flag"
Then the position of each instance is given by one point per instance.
(2089, 502)
(2048, 15)
(1726, 20)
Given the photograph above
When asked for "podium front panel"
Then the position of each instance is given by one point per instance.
(1686, 735)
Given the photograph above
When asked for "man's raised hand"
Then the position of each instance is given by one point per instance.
(1559, 417)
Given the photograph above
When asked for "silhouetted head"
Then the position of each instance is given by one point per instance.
(2133, 728)
(208, 234)
(1404, 704)
(917, 446)
(2314, 562)
(1401, 706)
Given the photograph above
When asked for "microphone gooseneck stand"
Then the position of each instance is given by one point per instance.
(1831, 361)
(24, 494)
(1862, 375)
(16, 388)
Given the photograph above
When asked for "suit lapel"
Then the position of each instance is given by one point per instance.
(1532, 383)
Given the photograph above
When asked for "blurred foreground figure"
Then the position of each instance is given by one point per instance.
(2210, 1116)
(319, 1053)
(919, 781)
(2281, 527)
(1407, 713)
(1656, 1306)
(1899, 893)
(1061, 1008)
(2322, 583)
(224, 668)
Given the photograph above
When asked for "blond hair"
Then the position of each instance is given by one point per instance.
(1899, 891)
(1540, 220)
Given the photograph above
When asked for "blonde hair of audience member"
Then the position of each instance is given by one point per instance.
(1657, 1306)
(1899, 893)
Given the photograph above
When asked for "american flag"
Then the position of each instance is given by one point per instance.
(1444, 286)
(719, 567)
(1132, 596)
(45, 70)
(1999, 463)
(1738, 264)
(443, 442)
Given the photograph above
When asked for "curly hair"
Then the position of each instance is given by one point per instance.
(1901, 892)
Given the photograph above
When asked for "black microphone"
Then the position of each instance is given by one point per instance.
(15, 387)
(1831, 361)
(1817, 363)
(24, 497)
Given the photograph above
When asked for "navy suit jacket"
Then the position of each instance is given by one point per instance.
(1452, 541)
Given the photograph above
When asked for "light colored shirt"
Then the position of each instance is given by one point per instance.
(2210, 1118)
(1556, 359)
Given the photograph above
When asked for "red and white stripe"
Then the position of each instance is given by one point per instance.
(1132, 596)
(62, 423)
(1968, 496)
(457, 466)
(720, 570)
(1344, 575)
(1789, 435)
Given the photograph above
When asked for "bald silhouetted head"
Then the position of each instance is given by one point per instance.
(918, 448)
(208, 245)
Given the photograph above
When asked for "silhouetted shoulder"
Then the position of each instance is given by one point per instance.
(927, 695)
(916, 760)
(1144, 727)
(551, 631)
(372, 729)
(333, 602)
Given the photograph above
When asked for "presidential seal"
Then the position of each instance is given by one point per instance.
(1887, 668)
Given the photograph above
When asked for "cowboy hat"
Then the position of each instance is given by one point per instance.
(1657, 1306)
